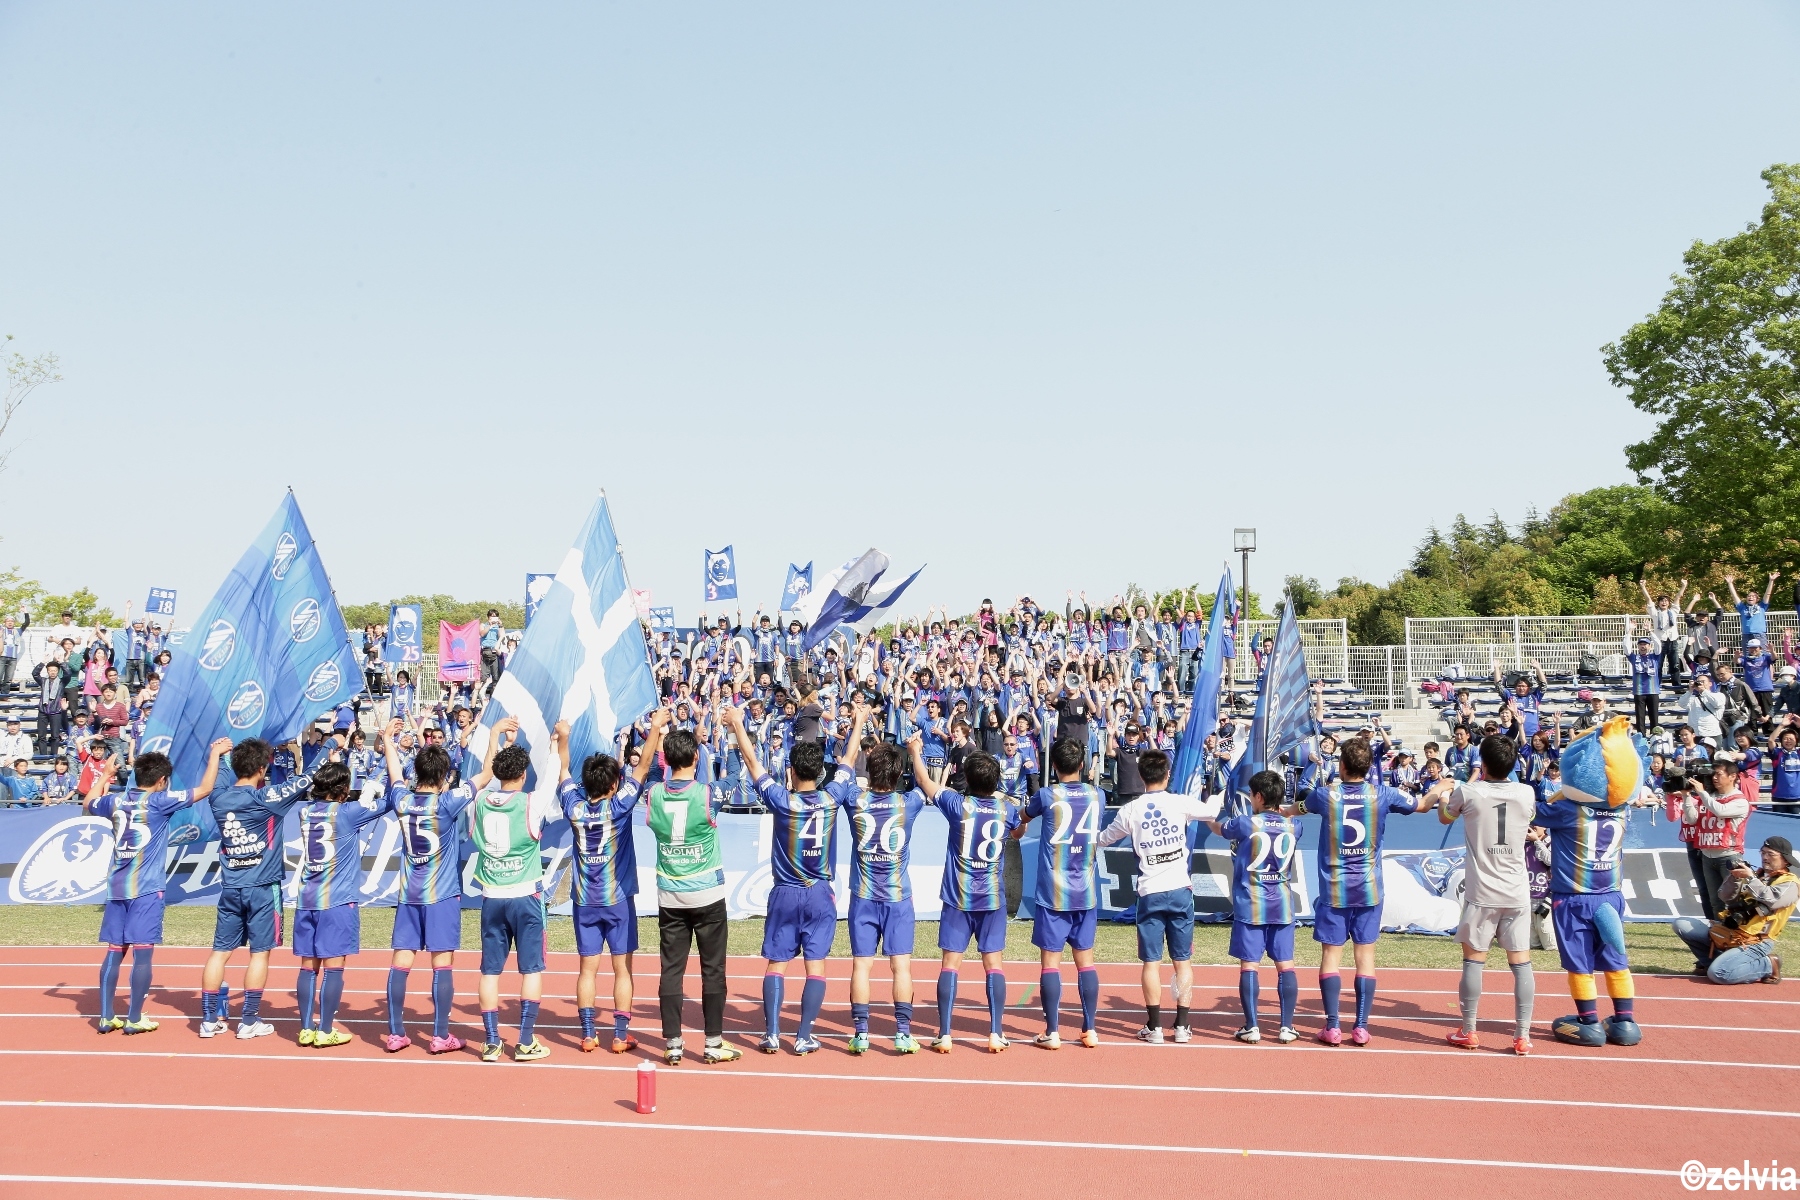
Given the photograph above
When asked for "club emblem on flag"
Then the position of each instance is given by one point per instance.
(221, 642)
(286, 551)
(324, 681)
(305, 620)
(247, 704)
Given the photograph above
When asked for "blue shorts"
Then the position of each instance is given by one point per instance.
(956, 927)
(433, 927)
(877, 926)
(135, 922)
(249, 916)
(1578, 938)
(327, 932)
(509, 923)
(1166, 915)
(802, 922)
(600, 927)
(1335, 926)
(1250, 942)
(1052, 929)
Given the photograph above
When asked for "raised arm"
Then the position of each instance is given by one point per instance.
(504, 728)
(390, 746)
(920, 775)
(1731, 587)
(734, 721)
(219, 749)
(559, 739)
(659, 724)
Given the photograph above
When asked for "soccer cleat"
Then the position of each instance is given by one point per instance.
(1621, 1031)
(530, 1051)
(394, 1043)
(306, 1036)
(1090, 1038)
(337, 1037)
(768, 1043)
(721, 1053)
(1249, 1035)
(943, 1045)
(444, 1045)
(254, 1029)
(997, 1043)
(491, 1052)
(1464, 1038)
(1331, 1035)
(1359, 1036)
(805, 1045)
(621, 1044)
(1572, 1031)
(1521, 1046)
(1153, 1036)
(672, 1052)
(859, 1043)
(1181, 1033)
(1287, 1035)
(1048, 1041)
(589, 1045)
(108, 1024)
(207, 1028)
(146, 1025)
(905, 1043)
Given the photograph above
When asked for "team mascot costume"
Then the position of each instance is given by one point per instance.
(1603, 770)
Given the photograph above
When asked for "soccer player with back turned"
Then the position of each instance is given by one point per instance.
(1067, 896)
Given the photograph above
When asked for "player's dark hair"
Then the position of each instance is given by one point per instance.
(1354, 757)
(1067, 756)
(1268, 787)
(1153, 765)
(511, 764)
(152, 769)
(807, 762)
(250, 757)
(599, 775)
(431, 767)
(1498, 755)
(886, 766)
(680, 749)
(331, 782)
(982, 771)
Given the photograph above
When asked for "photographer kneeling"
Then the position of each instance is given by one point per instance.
(1755, 906)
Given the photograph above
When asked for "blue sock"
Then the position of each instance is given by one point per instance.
(330, 992)
(1087, 986)
(443, 998)
(224, 1004)
(946, 998)
(1588, 1011)
(859, 1018)
(109, 984)
(490, 1022)
(207, 1003)
(528, 1010)
(1249, 989)
(621, 1023)
(1331, 990)
(252, 1007)
(590, 1021)
(1287, 986)
(1365, 998)
(140, 982)
(305, 988)
(996, 998)
(902, 1018)
(1050, 987)
(396, 1000)
(811, 1000)
(774, 988)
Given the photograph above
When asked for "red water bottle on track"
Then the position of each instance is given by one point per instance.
(646, 1079)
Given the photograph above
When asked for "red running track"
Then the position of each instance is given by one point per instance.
(169, 1114)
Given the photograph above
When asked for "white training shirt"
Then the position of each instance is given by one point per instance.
(1156, 823)
(1495, 817)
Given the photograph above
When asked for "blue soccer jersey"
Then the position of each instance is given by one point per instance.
(881, 840)
(140, 822)
(978, 829)
(605, 869)
(331, 849)
(430, 841)
(1068, 878)
(249, 822)
(804, 822)
(1262, 859)
(1585, 846)
(1355, 817)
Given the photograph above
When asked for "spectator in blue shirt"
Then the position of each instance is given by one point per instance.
(1646, 683)
(1753, 610)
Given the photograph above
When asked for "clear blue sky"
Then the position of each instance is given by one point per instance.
(1045, 296)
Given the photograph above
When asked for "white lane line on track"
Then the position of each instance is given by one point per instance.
(304, 1189)
(963, 1081)
(848, 1135)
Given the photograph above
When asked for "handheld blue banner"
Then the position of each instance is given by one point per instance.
(406, 634)
(721, 575)
(161, 603)
(798, 585)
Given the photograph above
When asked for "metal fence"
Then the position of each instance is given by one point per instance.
(1325, 643)
(1380, 673)
(1435, 645)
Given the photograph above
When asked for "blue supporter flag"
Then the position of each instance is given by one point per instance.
(268, 654)
(1203, 708)
(583, 660)
(853, 595)
(406, 634)
(721, 575)
(1283, 709)
(662, 620)
(797, 587)
(161, 603)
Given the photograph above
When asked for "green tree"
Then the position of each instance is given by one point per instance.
(433, 609)
(23, 377)
(83, 603)
(1718, 363)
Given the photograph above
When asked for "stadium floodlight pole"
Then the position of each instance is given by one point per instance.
(1244, 542)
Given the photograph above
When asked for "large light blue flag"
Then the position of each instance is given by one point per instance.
(267, 655)
(1283, 708)
(1203, 708)
(721, 575)
(797, 587)
(583, 660)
